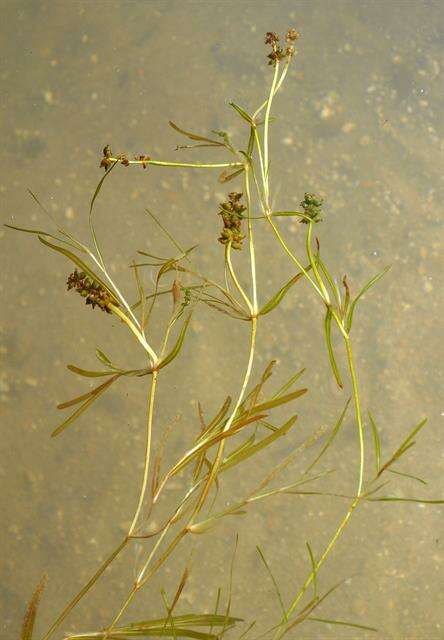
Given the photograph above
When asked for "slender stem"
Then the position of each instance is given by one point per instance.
(266, 130)
(234, 277)
(251, 239)
(190, 165)
(85, 589)
(220, 449)
(278, 86)
(141, 338)
(149, 429)
(143, 576)
(292, 256)
(133, 525)
(314, 265)
(358, 414)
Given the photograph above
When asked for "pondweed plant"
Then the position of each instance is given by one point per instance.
(243, 427)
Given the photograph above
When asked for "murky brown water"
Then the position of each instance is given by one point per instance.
(360, 120)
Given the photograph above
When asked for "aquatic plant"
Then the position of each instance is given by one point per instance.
(243, 427)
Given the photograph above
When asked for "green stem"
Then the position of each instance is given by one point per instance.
(358, 414)
(139, 335)
(149, 429)
(251, 241)
(234, 277)
(66, 611)
(314, 266)
(266, 131)
(190, 165)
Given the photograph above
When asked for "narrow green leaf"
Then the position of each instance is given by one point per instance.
(330, 280)
(91, 207)
(407, 475)
(331, 355)
(314, 570)
(216, 421)
(274, 581)
(177, 347)
(195, 136)
(395, 499)
(243, 114)
(275, 300)
(405, 446)
(89, 374)
(330, 438)
(244, 453)
(31, 610)
(82, 265)
(289, 384)
(343, 623)
(365, 288)
(91, 398)
(105, 360)
(226, 177)
(275, 402)
(84, 396)
(376, 442)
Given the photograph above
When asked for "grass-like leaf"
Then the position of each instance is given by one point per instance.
(31, 610)
(82, 265)
(274, 581)
(177, 347)
(243, 114)
(331, 437)
(245, 452)
(354, 625)
(331, 355)
(90, 398)
(364, 289)
(276, 402)
(275, 300)
(405, 446)
(376, 442)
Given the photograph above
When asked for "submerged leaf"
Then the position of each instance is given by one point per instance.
(331, 355)
(243, 114)
(365, 288)
(275, 300)
(177, 347)
(91, 397)
(376, 442)
(31, 610)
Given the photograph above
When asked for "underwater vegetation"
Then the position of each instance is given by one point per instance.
(244, 426)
